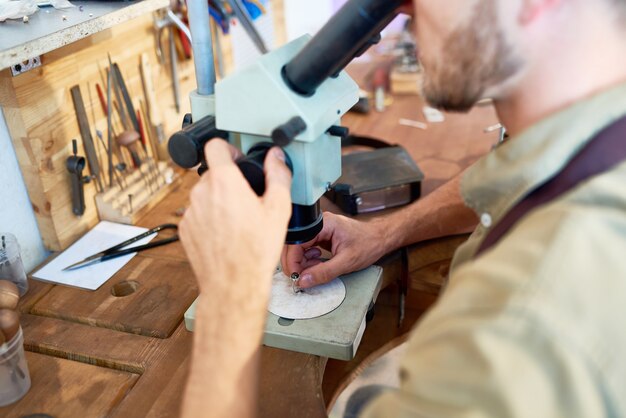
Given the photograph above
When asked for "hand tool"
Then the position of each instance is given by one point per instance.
(153, 154)
(109, 128)
(142, 131)
(103, 102)
(174, 69)
(220, 15)
(75, 166)
(241, 12)
(119, 250)
(121, 165)
(85, 133)
(145, 143)
(104, 105)
(118, 95)
(154, 115)
(163, 20)
(379, 83)
(106, 149)
(129, 140)
(128, 103)
(92, 106)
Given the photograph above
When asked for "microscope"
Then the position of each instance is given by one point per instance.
(292, 97)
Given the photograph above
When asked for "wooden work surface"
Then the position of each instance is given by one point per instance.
(96, 354)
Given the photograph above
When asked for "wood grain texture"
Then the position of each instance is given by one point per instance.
(63, 388)
(159, 392)
(86, 344)
(165, 289)
(286, 376)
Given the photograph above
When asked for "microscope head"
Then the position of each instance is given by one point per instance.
(292, 97)
(256, 106)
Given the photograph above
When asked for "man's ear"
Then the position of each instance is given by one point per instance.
(408, 8)
(532, 10)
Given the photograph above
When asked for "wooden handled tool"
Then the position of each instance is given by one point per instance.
(154, 116)
(85, 133)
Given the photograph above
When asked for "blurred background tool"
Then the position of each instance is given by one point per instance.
(241, 11)
(75, 166)
(85, 133)
(406, 72)
(169, 20)
(380, 83)
(174, 68)
(153, 112)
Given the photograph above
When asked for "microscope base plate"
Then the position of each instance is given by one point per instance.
(337, 334)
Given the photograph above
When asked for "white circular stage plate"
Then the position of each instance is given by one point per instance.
(310, 303)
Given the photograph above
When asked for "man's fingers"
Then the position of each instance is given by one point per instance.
(277, 176)
(307, 264)
(219, 152)
(313, 252)
(323, 272)
(294, 255)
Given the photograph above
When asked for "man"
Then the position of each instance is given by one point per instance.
(530, 326)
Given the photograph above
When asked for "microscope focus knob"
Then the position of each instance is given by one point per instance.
(186, 147)
(252, 166)
(285, 133)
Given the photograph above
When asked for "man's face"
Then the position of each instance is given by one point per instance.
(463, 51)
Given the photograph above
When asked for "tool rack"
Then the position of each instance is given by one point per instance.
(72, 47)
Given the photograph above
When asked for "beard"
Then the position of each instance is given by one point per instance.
(475, 57)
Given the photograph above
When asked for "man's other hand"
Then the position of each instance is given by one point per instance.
(354, 246)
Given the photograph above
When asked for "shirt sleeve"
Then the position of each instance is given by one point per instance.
(481, 365)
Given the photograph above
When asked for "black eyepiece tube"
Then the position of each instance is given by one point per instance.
(347, 34)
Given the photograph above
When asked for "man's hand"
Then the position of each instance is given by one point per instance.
(356, 245)
(232, 237)
(353, 244)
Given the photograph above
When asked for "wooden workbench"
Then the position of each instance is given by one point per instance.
(91, 353)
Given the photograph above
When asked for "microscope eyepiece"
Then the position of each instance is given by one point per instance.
(355, 27)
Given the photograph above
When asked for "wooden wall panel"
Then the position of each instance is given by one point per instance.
(40, 115)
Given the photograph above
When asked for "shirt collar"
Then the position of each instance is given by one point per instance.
(496, 182)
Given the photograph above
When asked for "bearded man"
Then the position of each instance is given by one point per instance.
(528, 324)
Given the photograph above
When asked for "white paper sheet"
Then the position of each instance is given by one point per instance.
(102, 236)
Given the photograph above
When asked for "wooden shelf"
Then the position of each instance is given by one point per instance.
(48, 30)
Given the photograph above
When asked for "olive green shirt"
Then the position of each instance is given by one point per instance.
(535, 326)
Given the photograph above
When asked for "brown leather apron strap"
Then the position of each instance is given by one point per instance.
(605, 151)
